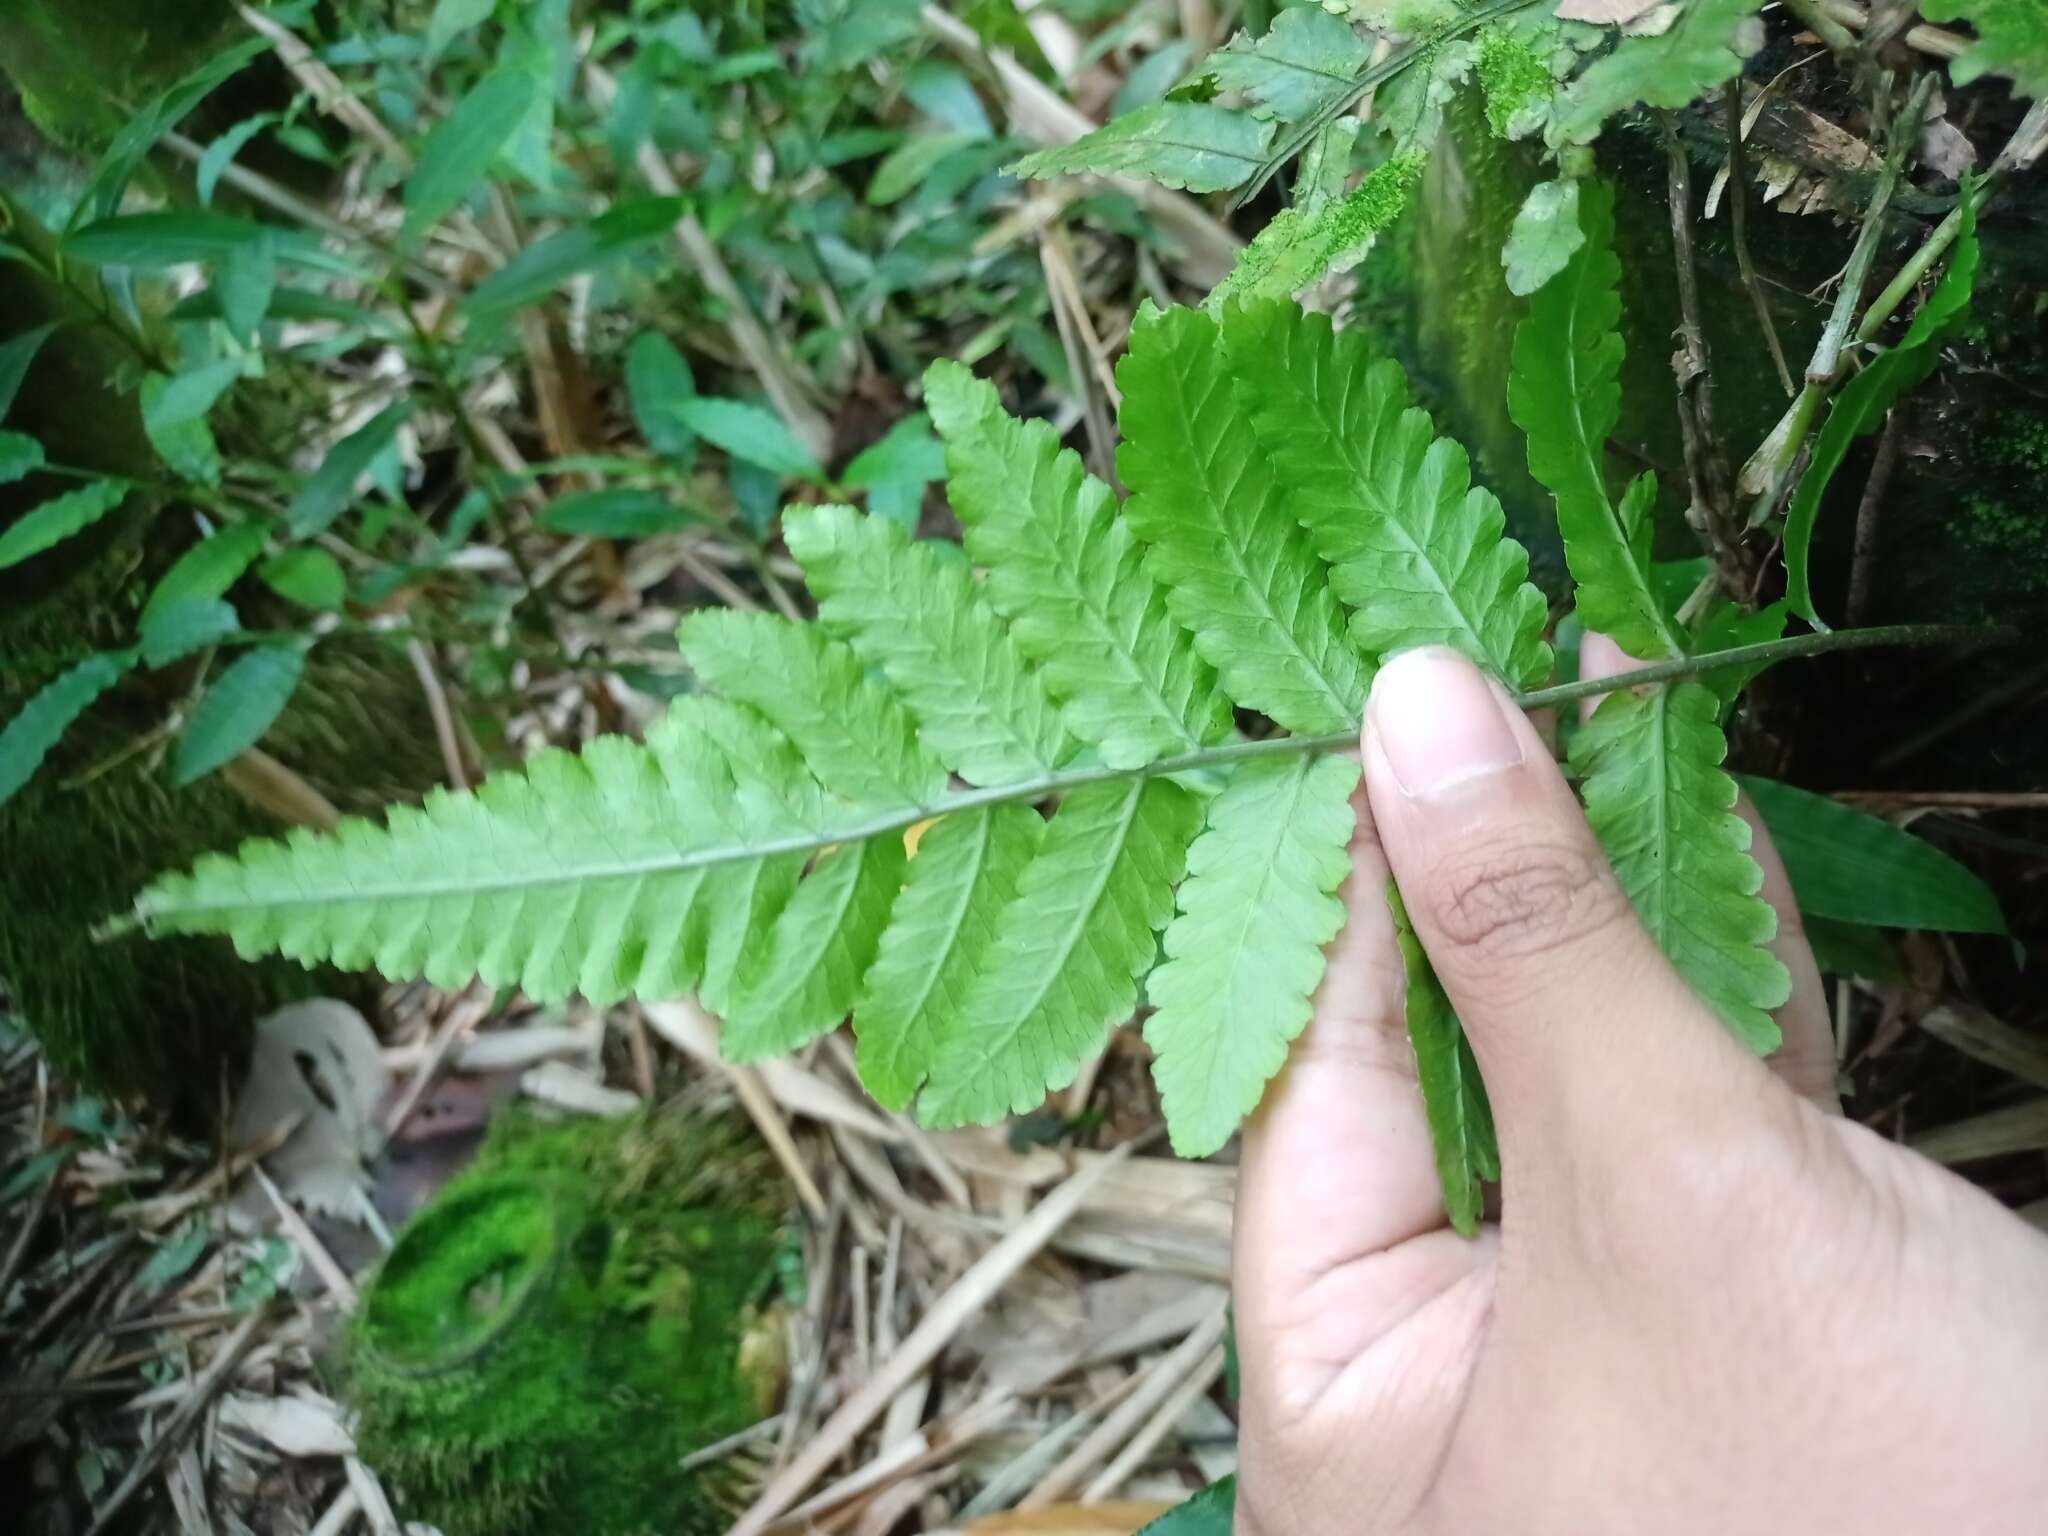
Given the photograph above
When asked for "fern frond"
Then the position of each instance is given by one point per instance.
(1564, 392)
(1416, 551)
(1082, 929)
(1068, 575)
(629, 869)
(914, 610)
(1246, 952)
(944, 926)
(1238, 571)
(859, 741)
(1664, 809)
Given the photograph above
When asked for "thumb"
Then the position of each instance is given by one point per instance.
(1588, 1039)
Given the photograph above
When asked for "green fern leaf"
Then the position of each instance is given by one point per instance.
(914, 610)
(2012, 40)
(1082, 929)
(1564, 392)
(1246, 952)
(1664, 809)
(629, 869)
(1068, 575)
(943, 928)
(804, 980)
(1417, 552)
(1306, 61)
(1186, 144)
(1238, 571)
(1453, 1095)
(1699, 52)
(45, 718)
(856, 737)
(58, 519)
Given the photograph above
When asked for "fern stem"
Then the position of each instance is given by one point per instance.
(1046, 785)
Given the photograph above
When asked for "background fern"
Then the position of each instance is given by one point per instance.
(1064, 711)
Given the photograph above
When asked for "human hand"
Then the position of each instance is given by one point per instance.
(1711, 1304)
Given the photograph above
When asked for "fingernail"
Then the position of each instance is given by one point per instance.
(1439, 723)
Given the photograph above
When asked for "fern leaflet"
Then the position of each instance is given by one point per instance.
(1417, 552)
(1067, 574)
(914, 611)
(1082, 929)
(1246, 952)
(1564, 392)
(1237, 570)
(1664, 809)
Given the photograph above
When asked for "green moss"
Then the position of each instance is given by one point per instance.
(1513, 76)
(566, 1322)
(76, 61)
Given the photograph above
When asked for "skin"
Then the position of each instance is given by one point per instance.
(1711, 1305)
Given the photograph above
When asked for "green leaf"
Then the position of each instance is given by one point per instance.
(57, 520)
(139, 135)
(857, 738)
(630, 869)
(1083, 927)
(1544, 237)
(16, 355)
(751, 433)
(246, 281)
(906, 166)
(1069, 576)
(941, 932)
(237, 708)
(1211, 1512)
(207, 569)
(1700, 51)
(452, 18)
(308, 576)
(152, 241)
(1417, 552)
(915, 612)
(1299, 248)
(1190, 145)
(1245, 953)
(617, 513)
(460, 151)
(1564, 392)
(220, 154)
(1307, 60)
(1453, 1095)
(176, 630)
(1238, 571)
(30, 735)
(1855, 868)
(20, 457)
(546, 264)
(1664, 809)
(805, 979)
(174, 412)
(1861, 405)
(658, 380)
(907, 454)
(2012, 40)
(330, 489)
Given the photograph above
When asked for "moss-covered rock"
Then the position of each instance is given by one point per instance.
(567, 1320)
(76, 61)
